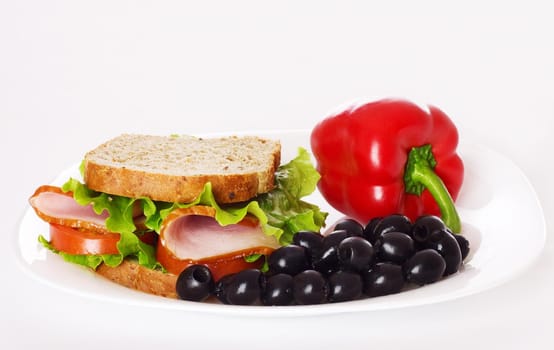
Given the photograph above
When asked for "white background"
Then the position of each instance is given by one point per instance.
(73, 74)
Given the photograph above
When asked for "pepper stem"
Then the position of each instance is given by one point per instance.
(419, 175)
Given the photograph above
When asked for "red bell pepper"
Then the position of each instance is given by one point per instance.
(389, 157)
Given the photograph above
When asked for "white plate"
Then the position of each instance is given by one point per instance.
(500, 212)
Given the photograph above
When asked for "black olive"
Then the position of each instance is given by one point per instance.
(444, 242)
(334, 238)
(395, 247)
(310, 287)
(393, 223)
(424, 267)
(426, 225)
(464, 245)
(245, 287)
(344, 286)
(383, 279)
(290, 259)
(311, 241)
(351, 226)
(195, 283)
(327, 260)
(369, 230)
(355, 253)
(278, 290)
(220, 288)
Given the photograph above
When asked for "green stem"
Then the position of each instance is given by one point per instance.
(428, 178)
(419, 174)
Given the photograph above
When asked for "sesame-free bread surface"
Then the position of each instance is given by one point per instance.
(176, 168)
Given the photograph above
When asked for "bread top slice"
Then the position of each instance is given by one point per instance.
(176, 168)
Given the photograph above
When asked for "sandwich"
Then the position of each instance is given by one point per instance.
(147, 207)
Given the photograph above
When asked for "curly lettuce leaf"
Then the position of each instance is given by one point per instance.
(284, 206)
(156, 212)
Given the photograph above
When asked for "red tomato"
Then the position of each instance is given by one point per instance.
(86, 242)
(74, 241)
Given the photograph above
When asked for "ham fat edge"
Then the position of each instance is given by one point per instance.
(187, 236)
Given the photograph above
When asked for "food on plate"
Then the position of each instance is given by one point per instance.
(351, 262)
(387, 157)
(222, 219)
(149, 206)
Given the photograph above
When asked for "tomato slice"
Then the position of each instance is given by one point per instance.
(86, 242)
(74, 241)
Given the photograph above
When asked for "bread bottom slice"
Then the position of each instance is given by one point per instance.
(132, 275)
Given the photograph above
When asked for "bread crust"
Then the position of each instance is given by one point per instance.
(227, 187)
(171, 188)
(132, 275)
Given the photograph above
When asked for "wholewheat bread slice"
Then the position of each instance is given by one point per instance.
(176, 168)
(132, 275)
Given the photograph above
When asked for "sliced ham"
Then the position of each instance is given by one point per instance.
(191, 235)
(57, 207)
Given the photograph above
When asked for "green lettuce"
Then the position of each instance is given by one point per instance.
(280, 212)
(284, 206)
(87, 260)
